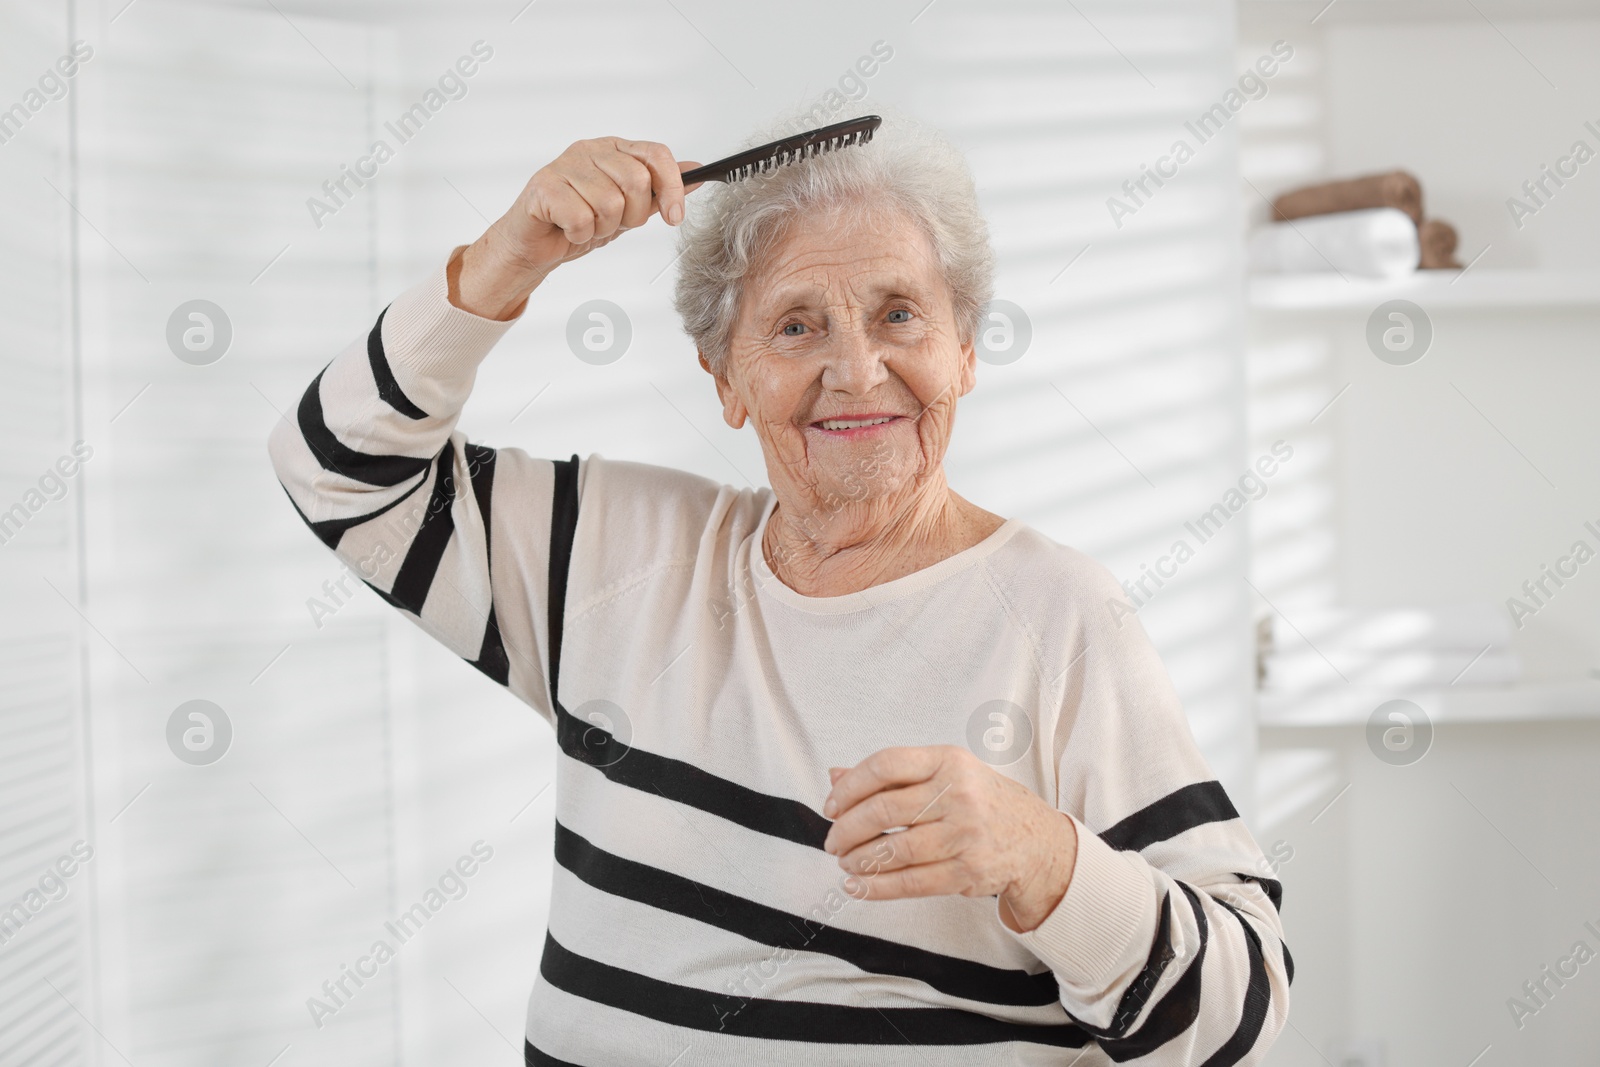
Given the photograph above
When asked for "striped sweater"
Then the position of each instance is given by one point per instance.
(698, 702)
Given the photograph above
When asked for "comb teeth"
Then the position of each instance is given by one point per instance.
(767, 158)
(786, 156)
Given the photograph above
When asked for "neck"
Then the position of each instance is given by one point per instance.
(821, 550)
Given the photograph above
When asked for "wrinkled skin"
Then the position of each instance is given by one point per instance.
(849, 318)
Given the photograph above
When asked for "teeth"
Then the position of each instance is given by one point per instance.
(852, 424)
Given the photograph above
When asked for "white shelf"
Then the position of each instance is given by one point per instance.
(1480, 288)
(1352, 706)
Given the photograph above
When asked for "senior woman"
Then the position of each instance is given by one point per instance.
(852, 770)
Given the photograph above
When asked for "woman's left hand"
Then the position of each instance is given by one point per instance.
(971, 830)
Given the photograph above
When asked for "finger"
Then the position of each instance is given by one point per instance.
(940, 879)
(666, 176)
(567, 208)
(605, 199)
(928, 843)
(634, 177)
(883, 769)
(882, 812)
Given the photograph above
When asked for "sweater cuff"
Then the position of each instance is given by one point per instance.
(1102, 929)
(429, 337)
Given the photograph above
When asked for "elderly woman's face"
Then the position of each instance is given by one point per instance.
(846, 358)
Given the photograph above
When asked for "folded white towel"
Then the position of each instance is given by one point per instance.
(1461, 628)
(1379, 242)
(1305, 670)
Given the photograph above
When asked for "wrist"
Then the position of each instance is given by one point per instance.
(487, 283)
(1030, 899)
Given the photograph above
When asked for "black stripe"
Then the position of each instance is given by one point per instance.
(1178, 1009)
(532, 1057)
(687, 784)
(388, 388)
(480, 472)
(1288, 961)
(338, 457)
(1138, 992)
(415, 577)
(1273, 887)
(331, 531)
(785, 1020)
(764, 925)
(1180, 810)
(388, 598)
(563, 524)
(1257, 999)
(492, 659)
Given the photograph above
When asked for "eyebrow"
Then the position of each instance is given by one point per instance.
(804, 292)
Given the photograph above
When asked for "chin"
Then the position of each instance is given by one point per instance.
(848, 482)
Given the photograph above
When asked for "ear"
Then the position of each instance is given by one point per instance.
(969, 366)
(733, 409)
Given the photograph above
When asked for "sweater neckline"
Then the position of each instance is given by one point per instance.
(872, 596)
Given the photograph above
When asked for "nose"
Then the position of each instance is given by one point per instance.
(854, 361)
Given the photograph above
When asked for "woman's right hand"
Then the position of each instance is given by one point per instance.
(583, 199)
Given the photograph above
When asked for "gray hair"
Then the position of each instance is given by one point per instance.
(729, 229)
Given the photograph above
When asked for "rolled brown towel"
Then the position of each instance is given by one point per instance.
(1396, 189)
(1438, 245)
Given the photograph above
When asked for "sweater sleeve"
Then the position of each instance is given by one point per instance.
(1167, 946)
(453, 534)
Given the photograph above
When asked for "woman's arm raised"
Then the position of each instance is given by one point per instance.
(450, 532)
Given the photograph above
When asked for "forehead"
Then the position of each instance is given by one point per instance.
(865, 258)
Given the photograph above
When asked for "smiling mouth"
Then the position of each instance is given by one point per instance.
(853, 424)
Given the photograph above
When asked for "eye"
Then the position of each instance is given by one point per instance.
(789, 330)
(900, 311)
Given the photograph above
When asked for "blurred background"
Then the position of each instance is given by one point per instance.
(1365, 410)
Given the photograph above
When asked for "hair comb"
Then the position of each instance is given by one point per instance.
(769, 157)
